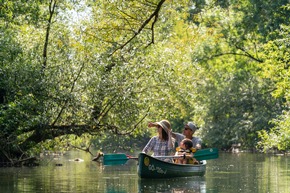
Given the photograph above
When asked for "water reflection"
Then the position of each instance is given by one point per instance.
(247, 172)
(174, 185)
(229, 173)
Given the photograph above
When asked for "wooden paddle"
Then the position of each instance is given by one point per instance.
(120, 158)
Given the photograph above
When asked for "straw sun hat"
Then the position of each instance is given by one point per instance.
(166, 126)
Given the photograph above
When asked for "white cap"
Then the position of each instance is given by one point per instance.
(192, 126)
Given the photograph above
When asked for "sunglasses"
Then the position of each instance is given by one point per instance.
(185, 128)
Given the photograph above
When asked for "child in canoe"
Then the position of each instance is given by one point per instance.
(186, 148)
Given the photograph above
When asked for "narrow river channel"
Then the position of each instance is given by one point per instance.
(230, 173)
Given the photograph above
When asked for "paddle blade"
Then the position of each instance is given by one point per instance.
(115, 159)
(206, 154)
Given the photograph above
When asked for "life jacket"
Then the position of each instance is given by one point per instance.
(190, 151)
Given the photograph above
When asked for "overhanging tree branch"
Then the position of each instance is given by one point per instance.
(71, 90)
(52, 6)
(248, 54)
(144, 24)
(238, 54)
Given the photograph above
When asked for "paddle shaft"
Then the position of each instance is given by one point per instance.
(203, 154)
(172, 156)
(199, 153)
(175, 156)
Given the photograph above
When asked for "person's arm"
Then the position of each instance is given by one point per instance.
(198, 143)
(151, 124)
(178, 136)
(173, 135)
(149, 146)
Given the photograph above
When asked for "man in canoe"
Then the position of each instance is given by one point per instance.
(189, 130)
(161, 144)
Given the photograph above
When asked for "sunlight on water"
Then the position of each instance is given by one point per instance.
(227, 174)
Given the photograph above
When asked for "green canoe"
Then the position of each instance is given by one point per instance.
(150, 167)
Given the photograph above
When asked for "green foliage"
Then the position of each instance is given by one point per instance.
(237, 101)
(276, 68)
(15, 11)
(74, 71)
(278, 137)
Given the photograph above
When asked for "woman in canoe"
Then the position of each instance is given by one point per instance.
(161, 144)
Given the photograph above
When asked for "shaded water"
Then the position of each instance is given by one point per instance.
(229, 173)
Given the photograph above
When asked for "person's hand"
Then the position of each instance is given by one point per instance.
(189, 156)
(151, 124)
(198, 146)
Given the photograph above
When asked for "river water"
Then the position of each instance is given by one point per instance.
(230, 173)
